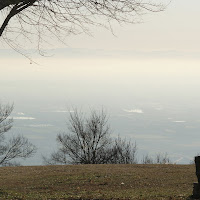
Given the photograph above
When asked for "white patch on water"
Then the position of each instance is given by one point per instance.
(39, 125)
(20, 113)
(178, 160)
(60, 111)
(179, 121)
(134, 111)
(24, 118)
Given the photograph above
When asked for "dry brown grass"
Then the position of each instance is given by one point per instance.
(97, 182)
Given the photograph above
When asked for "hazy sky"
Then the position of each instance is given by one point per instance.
(162, 39)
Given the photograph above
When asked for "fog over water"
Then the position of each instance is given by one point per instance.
(152, 102)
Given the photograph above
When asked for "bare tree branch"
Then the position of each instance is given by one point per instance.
(89, 142)
(16, 147)
(36, 20)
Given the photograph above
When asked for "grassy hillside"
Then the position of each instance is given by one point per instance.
(97, 182)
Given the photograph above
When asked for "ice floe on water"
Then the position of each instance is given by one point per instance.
(39, 125)
(24, 118)
(140, 111)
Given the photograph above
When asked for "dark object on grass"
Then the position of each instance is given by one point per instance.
(196, 187)
(197, 163)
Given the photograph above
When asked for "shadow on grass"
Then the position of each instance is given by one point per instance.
(3, 193)
(191, 198)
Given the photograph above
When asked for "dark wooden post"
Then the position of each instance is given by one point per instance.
(196, 188)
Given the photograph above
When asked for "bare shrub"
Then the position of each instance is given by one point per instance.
(15, 147)
(88, 142)
(159, 159)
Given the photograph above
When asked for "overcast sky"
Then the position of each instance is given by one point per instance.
(170, 38)
(162, 51)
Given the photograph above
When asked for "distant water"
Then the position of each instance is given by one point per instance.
(158, 120)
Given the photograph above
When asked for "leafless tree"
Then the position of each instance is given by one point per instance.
(147, 159)
(17, 146)
(37, 20)
(124, 152)
(89, 142)
(159, 159)
(162, 159)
